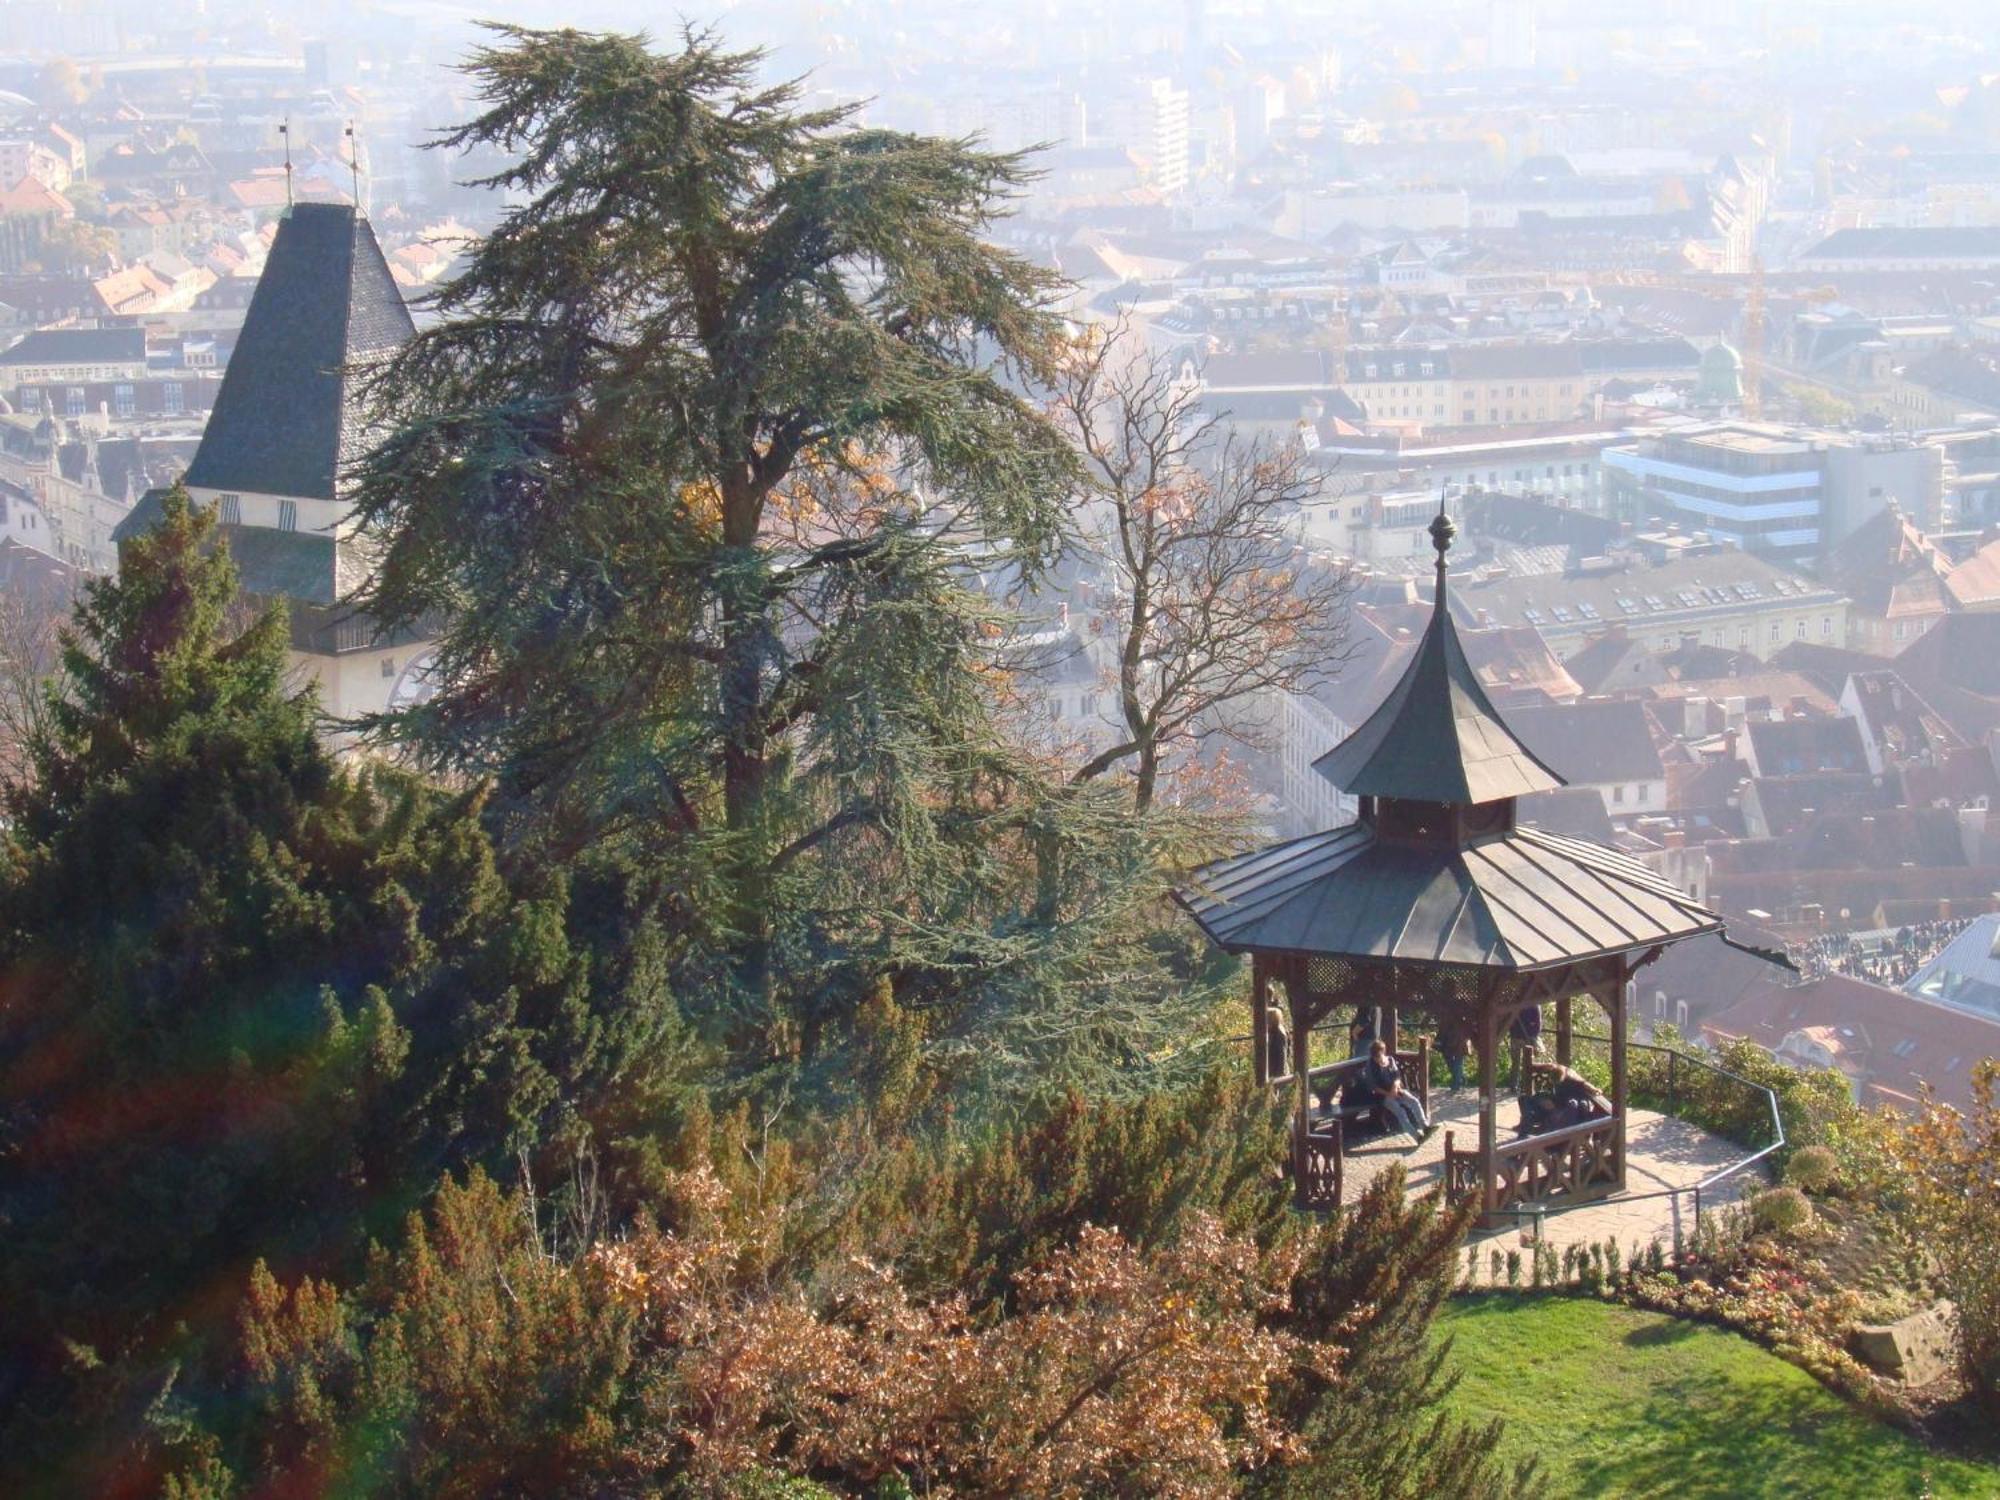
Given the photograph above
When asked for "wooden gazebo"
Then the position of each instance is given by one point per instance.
(1435, 901)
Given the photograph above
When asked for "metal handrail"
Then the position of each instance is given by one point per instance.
(1714, 1178)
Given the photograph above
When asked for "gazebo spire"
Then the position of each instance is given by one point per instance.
(1442, 531)
(1437, 737)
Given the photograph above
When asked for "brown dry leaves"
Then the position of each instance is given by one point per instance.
(1115, 1371)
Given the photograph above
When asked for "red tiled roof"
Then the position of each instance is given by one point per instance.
(32, 196)
(1894, 1042)
(1975, 583)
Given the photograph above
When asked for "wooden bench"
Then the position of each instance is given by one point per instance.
(1329, 1080)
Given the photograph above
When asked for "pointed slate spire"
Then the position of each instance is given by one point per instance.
(1437, 737)
(286, 419)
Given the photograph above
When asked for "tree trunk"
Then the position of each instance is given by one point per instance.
(746, 750)
(1149, 775)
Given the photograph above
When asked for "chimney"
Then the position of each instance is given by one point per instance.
(1695, 717)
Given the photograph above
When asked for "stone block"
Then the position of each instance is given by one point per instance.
(1916, 1350)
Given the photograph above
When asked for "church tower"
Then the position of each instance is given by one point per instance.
(286, 428)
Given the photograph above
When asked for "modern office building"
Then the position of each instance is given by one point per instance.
(1780, 491)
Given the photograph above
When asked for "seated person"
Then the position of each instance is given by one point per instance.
(1572, 1088)
(1383, 1077)
(1536, 1112)
(1560, 1108)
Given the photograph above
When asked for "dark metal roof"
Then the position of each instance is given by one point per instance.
(1437, 737)
(1525, 900)
(1599, 741)
(302, 566)
(285, 420)
(79, 346)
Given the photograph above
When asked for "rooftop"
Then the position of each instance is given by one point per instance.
(1436, 871)
(1921, 242)
(286, 420)
(79, 346)
(1437, 737)
(1682, 592)
(1894, 1041)
(1599, 741)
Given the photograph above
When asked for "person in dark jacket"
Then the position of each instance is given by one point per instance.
(1572, 1088)
(1571, 1100)
(1526, 1036)
(1383, 1076)
(1536, 1112)
(1455, 1042)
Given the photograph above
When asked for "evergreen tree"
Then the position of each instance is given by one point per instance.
(700, 462)
(1376, 1278)
(253, 1003)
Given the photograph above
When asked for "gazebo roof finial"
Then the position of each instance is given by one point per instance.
(1442, 532)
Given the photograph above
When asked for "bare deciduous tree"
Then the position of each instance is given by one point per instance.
(1219, 605)
(31, 621)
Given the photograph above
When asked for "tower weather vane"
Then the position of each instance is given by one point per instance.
(354, 164)
(285, 135)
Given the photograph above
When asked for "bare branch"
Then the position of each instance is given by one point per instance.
(1220, 603)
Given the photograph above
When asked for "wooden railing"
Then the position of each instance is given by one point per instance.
(1319, 1167)
(1574, 1162)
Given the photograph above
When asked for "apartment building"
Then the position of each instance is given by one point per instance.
(1505, 384)
(1713, 596)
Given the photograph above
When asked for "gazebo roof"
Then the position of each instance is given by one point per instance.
(1524, 900)
(1436, 872)
(1437, 737)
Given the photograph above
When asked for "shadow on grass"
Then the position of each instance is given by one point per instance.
(1732, 1439)
(1663, 1333)
(1622, 1403)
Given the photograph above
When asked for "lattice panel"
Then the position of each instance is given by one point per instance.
(1336, 981)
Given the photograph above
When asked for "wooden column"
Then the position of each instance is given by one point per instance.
(1301, 1084)
(1302, 1023)
(1617, 993)
(1565, 1034)
(1260, 1020)
(1489, 1088)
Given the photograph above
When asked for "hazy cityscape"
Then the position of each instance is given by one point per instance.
(1092, 537)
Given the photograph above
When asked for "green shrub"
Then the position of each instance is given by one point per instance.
(1812, 1169)
(1781, 1210)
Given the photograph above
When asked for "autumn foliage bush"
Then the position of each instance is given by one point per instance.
(474, 1362)
(1813, 1169)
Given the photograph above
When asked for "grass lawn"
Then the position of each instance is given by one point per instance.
(1619, 1402)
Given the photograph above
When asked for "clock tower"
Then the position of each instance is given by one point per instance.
(286, 430)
